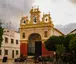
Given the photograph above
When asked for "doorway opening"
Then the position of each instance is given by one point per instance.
(34, 45)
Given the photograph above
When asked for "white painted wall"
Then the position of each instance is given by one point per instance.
(8, 46)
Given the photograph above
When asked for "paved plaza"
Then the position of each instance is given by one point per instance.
(29, 61)
(11, 61)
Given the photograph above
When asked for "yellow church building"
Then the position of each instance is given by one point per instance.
(34, 32)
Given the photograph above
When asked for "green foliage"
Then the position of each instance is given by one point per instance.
(51, 43)
(67, 40)
(60, 49)
(72, 44)
(64, 46)
(50, 59)
(1, 33)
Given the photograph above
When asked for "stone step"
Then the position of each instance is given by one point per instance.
(30, 57)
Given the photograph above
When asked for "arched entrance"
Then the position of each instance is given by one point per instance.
(34, 41)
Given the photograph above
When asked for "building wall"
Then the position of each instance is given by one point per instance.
(40, 31)
(10, 34)
(45, 28)
(56, 33)
(74, 32)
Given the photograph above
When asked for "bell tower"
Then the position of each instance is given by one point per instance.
(35, 15)
(24, 20)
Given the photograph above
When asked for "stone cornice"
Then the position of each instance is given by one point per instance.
(36, 25)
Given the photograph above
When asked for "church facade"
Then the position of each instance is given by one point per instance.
(34, 32)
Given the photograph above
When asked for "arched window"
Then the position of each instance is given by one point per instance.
(23, 35)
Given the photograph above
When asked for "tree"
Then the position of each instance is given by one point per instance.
(60, 49)
(1, 33)
(51, 43)
(72, 46)
(64, 46)
(68, 38)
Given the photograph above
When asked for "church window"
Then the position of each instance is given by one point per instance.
(23, 35)
(45, 33)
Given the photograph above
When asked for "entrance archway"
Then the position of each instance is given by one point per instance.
(32, 43)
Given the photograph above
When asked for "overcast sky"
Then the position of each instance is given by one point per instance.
(62, 11)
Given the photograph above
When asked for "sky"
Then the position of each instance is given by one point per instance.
(62, 11)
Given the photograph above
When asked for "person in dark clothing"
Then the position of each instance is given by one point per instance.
(40, 59)
(4, 60)
(22, 58)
